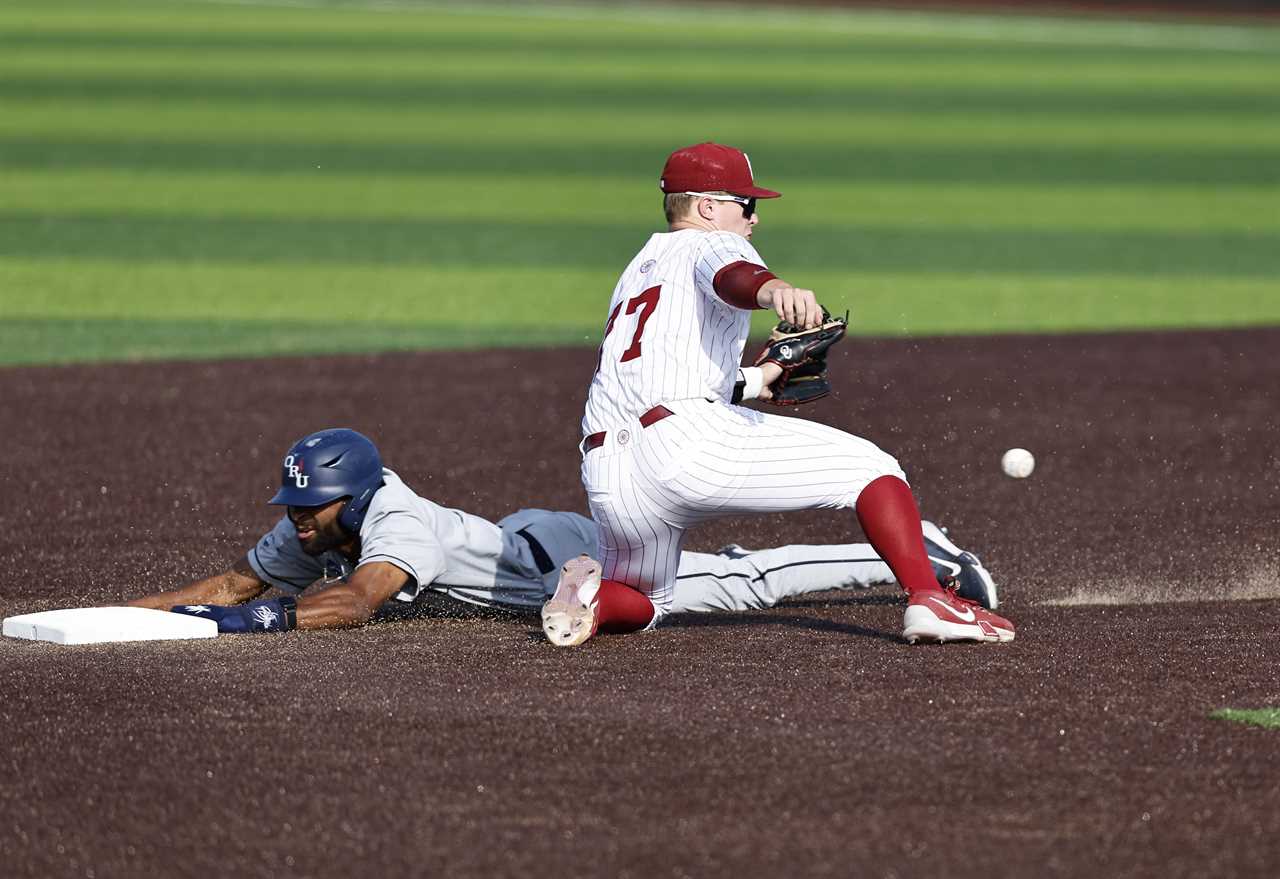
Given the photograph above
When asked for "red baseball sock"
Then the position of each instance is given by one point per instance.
(889, 516)
(622, 609)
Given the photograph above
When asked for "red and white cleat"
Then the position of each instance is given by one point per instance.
(945, 616)
(570, 616)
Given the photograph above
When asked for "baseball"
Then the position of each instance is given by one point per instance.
(1018, 463)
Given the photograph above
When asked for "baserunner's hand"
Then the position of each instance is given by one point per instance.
(270, 615)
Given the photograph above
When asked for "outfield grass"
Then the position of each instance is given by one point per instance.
(203, 179)
(1264, 717)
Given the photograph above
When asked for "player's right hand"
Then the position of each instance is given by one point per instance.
(796, 306)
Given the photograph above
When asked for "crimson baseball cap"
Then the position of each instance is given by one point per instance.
(711, 167)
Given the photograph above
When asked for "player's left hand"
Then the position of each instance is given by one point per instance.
(769, 373)
(270, 615)
(801, 355)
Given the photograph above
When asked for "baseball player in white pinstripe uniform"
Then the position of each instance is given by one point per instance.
(665, 447)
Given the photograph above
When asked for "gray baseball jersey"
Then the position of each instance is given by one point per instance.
(515, 564)
(464, 556)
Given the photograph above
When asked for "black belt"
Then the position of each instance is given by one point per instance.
(653, 416)
(540, 557)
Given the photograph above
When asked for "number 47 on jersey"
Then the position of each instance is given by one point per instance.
(645, 303)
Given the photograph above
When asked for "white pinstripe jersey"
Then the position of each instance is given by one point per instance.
(669, 336)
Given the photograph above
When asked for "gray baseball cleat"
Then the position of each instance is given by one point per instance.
(951, 563)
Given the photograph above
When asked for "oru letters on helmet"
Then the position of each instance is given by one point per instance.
(293, 470)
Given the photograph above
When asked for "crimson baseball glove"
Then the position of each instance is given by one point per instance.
(802, 354)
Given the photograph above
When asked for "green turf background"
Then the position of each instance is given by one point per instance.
(1265, 717)
(203, 179)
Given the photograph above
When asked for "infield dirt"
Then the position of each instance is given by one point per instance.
(1139, 563)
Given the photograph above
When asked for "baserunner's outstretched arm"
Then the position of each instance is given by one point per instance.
(239, 584)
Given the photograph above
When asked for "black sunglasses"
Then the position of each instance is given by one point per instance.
(748, 205)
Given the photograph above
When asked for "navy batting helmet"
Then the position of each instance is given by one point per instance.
(328, 465)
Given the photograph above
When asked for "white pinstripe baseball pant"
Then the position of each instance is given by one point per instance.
(648, 486)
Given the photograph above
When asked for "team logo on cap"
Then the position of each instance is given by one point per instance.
(293, 470)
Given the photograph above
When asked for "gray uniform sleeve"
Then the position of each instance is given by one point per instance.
(403, 538)
(278, 559)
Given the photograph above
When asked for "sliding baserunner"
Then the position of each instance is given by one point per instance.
(356, 531)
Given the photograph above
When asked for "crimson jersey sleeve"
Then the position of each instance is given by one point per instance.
(729, 270)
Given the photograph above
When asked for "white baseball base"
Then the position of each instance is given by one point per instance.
(103, 625)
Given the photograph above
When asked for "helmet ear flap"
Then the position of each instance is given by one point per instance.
(352, 515)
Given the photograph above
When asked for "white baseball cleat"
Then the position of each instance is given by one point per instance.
(937, 615)
(569, 617)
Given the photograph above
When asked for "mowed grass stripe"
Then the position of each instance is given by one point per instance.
(845, 49)
(780, 165)
(542, 298)
(881, 302)
(423, 93)
(87, 340)
(785, 26)
(620, 128)
(589, 64)
(458, 243)
(169, 306)
(549, 199)
(31, 35)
